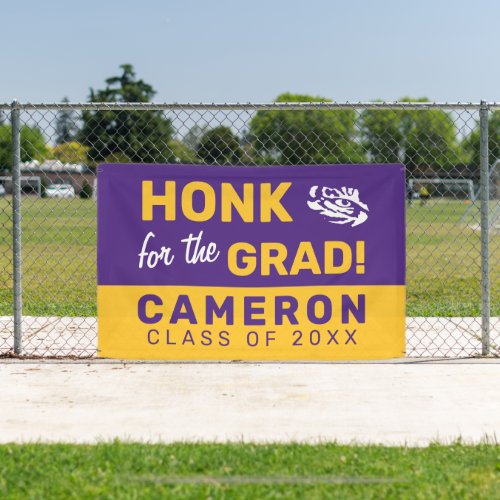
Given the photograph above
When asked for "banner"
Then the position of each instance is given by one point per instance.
(251, 263)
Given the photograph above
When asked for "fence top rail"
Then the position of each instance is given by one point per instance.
(293, 106)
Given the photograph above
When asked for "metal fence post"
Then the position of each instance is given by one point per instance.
(16, 224)
(485, 229)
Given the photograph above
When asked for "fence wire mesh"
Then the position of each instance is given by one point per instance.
(62, 144)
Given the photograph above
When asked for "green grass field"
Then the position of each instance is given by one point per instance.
(59, 259)
(116, 470)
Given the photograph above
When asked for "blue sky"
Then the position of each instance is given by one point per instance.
(228, 51)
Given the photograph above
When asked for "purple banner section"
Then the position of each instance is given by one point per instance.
(307, 210)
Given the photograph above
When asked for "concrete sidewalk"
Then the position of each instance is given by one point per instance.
(391, 403)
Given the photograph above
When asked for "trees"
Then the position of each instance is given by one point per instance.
(182, 153)
(66, 126)
(141, 136)
(302, 137)
(418, 138)
(219, 146)
(71, 152)
(86, 191)
(382, 134)
(5, 147)
(471, 142)
(33, 145)
(431, 140)
(193, 136)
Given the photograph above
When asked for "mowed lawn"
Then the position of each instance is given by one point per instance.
(117, 470)
(59, 259)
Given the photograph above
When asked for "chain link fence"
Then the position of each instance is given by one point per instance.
(48, 159)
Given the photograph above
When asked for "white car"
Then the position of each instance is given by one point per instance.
(2, 190)
(60, 191)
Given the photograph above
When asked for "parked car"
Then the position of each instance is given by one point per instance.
(60, 191)
(2, 190)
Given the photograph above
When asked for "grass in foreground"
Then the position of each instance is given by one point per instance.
(117, 470)
(59, 259)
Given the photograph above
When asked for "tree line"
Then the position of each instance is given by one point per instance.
(418, 139)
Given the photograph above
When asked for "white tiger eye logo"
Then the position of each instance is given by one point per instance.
(339, 206)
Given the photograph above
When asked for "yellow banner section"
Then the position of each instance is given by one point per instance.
(309, 323)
